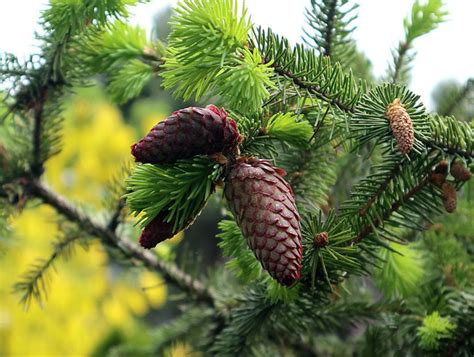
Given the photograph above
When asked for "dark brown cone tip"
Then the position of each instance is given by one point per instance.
(156, 232)
(186, 133)
(264, 207)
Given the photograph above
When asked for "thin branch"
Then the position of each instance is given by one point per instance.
(35, 281)
(447, 149)
(115, 219)
(170, 272)
(395, 171)
(369, 228)
(399, 61)
(311, 88)
(37, 165)
(329, 30)
(459, 98)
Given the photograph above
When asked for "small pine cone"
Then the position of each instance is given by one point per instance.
(449, 197)
(437, 179)
(186, 133)
(460, 172)
(402, 126)
(442, 168)
(264, 207)
(156, 232)
(321, 239)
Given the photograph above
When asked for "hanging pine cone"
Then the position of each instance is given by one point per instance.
(156, 232)
(264, 207)
(449, 197)
(460, 172)
(186, 133)
(402, 126)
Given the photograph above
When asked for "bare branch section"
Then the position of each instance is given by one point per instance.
(170, 272)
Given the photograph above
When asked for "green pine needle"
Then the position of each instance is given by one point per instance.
(181, 188)
(286, 127)
(424, 18)
(402, 270)
(129, 81)
(434, 329)
(370, 123)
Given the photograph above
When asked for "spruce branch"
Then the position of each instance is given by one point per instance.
(34, 283)
(329, 29)
(171, 273)
(423, 19)
(370, 228)
(447, 106)
(450, 136)
(312, 74)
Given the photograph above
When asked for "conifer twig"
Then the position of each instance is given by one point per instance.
(312, 88)
(170, 272)
(369, 228)
(468, 87)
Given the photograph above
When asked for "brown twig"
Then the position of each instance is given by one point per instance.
(170, 272)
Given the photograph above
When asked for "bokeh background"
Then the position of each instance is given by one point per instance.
(94, 304)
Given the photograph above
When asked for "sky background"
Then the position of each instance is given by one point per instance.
(446, 53)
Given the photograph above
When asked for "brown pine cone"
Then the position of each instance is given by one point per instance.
(402, 126)
(186, 133)
(264, 207)
(156, 231)
(460, 172)
(449, 197)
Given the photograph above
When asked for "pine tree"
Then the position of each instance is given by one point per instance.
(376, 250)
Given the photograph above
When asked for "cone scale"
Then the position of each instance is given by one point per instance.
(186, 133)
(264, 207)
(401, 125)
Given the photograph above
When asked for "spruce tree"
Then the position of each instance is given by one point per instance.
(336, 186)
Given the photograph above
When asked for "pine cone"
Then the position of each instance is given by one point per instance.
(402, 126)
(156, 231)
(439, 174)
(460, 172)
(264, 207)
(437, 179)
(449, 197)
(186, 133)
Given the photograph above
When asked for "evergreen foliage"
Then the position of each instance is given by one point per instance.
(423, 19)
(330, 28)
(305, 110)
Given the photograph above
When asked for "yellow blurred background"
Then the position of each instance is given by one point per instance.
(89, 298)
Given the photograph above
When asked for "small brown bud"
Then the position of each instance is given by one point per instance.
(402, 126)
(449, 197)
(437, 179)
(321, 239)
(460, 172)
